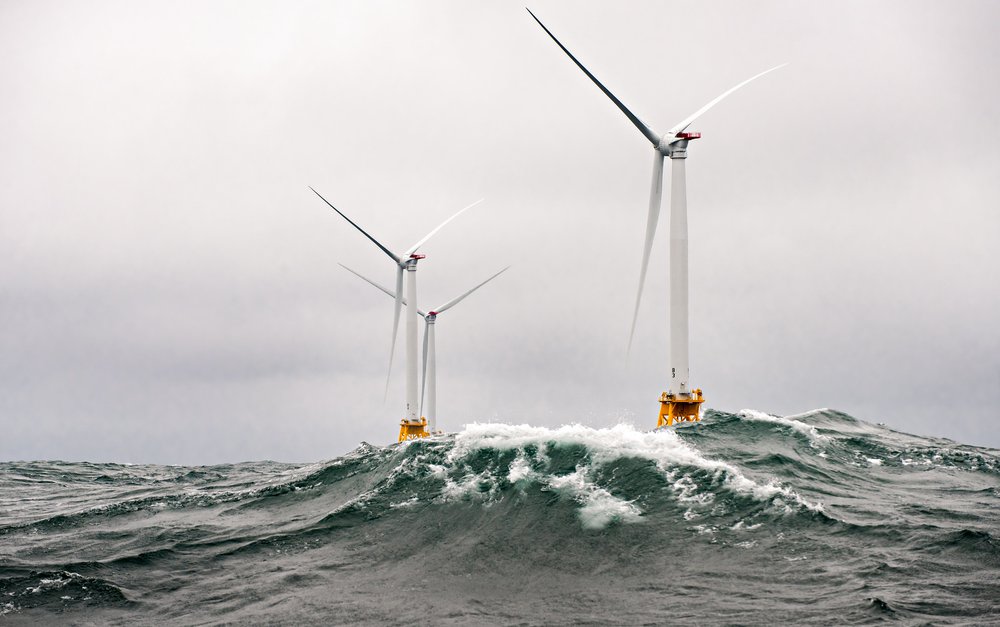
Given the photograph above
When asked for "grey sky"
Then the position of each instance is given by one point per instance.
(169, 289)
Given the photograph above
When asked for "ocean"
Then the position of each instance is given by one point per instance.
(743, 518)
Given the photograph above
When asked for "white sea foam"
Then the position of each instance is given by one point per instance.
(520, 469)
(470, 486)
(815, 437)
(599, 507)
(664, 447)
(59, 581)
(686, 491)
(604, 445)
(407, 503)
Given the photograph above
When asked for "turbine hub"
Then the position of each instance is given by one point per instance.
(675, 147)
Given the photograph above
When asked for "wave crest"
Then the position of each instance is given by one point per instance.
(689, 474)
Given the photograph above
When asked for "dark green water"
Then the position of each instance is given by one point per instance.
(742, 519)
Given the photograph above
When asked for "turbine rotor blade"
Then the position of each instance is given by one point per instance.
(395, 323)
(364, 278)
(414, 248)
(423, 374)
(379, 286)
(639, 124)
(365, 233)
(451, 303)
(691, 118)
(655, 196)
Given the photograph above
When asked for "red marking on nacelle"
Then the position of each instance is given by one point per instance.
(432, 313)
(416, 256)
(689, 135)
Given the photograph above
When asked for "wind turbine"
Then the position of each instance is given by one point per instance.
(410, 426)
(679, 403)
(430, 362)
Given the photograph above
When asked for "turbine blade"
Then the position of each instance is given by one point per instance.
(364, 278)
(414, 248)
(639, 124)
(691, 118)
(379, 286)
(365, 233)
(655, 195)
(451, 303)
(423, 375)
(395, 322)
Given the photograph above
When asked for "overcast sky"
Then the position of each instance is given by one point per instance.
(169, 288)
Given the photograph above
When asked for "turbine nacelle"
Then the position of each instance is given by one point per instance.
(671, 146)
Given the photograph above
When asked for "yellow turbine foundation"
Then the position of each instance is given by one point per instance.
(679, 409)
(411, 430)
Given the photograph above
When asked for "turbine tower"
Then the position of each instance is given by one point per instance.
(430, 362)
(410, 426)
(680, 403)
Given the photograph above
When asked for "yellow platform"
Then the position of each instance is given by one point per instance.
(679, 409)
(411, 430)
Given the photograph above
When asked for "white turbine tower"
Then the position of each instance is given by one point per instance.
(410, 426)
(430, 361)
(679, 402)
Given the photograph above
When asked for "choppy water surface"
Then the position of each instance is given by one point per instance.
(744, 518)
